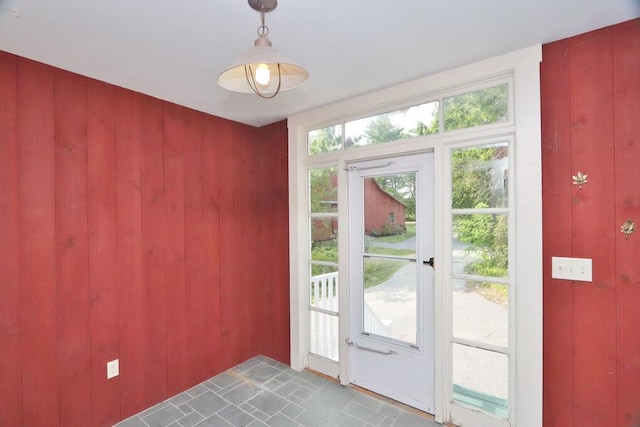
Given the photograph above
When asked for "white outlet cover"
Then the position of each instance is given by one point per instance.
(113, 368)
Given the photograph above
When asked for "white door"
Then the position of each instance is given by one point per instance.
(392, 330)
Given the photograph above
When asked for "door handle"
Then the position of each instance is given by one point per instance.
(374, 350)
(431, 262)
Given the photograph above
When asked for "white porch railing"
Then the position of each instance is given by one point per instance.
(323, 317)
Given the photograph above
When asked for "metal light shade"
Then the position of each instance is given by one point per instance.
(239, 76)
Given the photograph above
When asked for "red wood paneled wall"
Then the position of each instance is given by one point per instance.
(136, 229)
(591, 124)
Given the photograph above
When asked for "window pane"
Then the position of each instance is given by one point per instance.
(400, 124)
(324, 235)
(324, 140)
(323, 335)
(477, 108)
(481, 379)
(480, 312)
(323, 289)
(479, 176)
(390, 303)
(326, 247)
(323, 190)
(480, 245)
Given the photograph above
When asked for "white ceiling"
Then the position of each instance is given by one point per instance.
(175, 49)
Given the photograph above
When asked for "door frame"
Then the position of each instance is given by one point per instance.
(523, 67)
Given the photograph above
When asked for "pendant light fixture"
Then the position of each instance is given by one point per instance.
(261, 69)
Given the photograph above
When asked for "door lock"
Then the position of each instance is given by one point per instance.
(431, 262)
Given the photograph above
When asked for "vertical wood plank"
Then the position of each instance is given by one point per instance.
(593, 229)
(177, 344)
(281, 228)
(72, 270)
(211, 343)
(10, 372)
(103, 302)
(153, 222)
(557, 235)
(36, 210)
(626, 107)
(274, 238)
(132, 316)
(231, 294)
(195, 262)
(253, 282)
(266, 249)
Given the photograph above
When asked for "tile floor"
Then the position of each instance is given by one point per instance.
(262, 392)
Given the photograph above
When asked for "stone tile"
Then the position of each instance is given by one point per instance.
(260, 415)
(292, 410)
(262, 392)
(197, 390)
(186, 409)
(369, 402)
(191, 419)
(365, 414)
(236, 416)
(179, 399)
(163, 416)
(262, 373)
(208, 403)
(279, 420)
(213, 421)
(296, 400)
(303, 392)
(243, 392)
(134, 421)
(407, 419)
(153, 409)
(353, 422)
(224, 380)
(268, 402)
(390, 411)
(245, 366)
(286, 389)
(334, 395)
(311, 419)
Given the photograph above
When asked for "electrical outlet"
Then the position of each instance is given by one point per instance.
(571, 269)
(113, 368)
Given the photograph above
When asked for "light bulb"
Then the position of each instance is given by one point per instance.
(263, 75)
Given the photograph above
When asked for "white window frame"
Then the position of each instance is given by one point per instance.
(523, 67)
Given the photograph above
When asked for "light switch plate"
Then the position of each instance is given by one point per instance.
(571, 269)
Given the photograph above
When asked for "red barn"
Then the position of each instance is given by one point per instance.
(384, 214)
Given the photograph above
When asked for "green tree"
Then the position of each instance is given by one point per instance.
(402, 186)
(325, 140)
(470, 109)
(472, 179)
(381, 130)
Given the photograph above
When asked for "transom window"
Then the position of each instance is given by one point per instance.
(478, 107)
